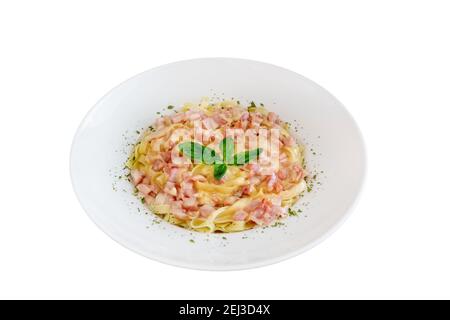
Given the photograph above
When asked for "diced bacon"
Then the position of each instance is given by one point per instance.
(276, 201)
(153, 189)
(170, 189)
(256, 119)
(220, 119)
(156, 145)
(162, 198)
(272, 179)
(252, 206)
(254, 181)
(230, 200)
(186, 176)
(145, 189)
(264, 160)
(242, 124)
(266, 211)
(206, 210)
(299, 172)
(282, 173)
(210, 124)
(278, 187)
(288, 141)
(146, 180)
(136, 176)
(245, 116)
(269, 217)
(281, 212)
(173, 173)
(167, 156)
(181, 162)
(254, 169)
(194, 115)
(190, 204)
(263, 216)
(257, 216)
(187, 188)
(266, 204)
(178, 211)
(158, 165)
(149, 200)
(278, 211)
(216, 198)
(240, 215)
(272, 117)
(178, 117)
(247, 190)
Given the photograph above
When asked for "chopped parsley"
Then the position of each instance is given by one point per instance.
(292, 213)
(278, 224)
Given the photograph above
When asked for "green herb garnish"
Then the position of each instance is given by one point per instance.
(202, 154)
(252, 107)
(198, 153)
(219, 170)
(246, 156)
(227, 148)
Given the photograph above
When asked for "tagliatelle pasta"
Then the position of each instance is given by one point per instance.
(218, 167)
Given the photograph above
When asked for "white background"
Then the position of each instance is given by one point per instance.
(387, 61)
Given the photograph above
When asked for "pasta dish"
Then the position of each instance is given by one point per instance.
(218, 167)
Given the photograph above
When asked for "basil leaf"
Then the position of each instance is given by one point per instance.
(209, 155)
(197, 152)
(227, 148)
(219, 171)
(247, 156)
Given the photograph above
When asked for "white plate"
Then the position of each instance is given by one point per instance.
(101, 147)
